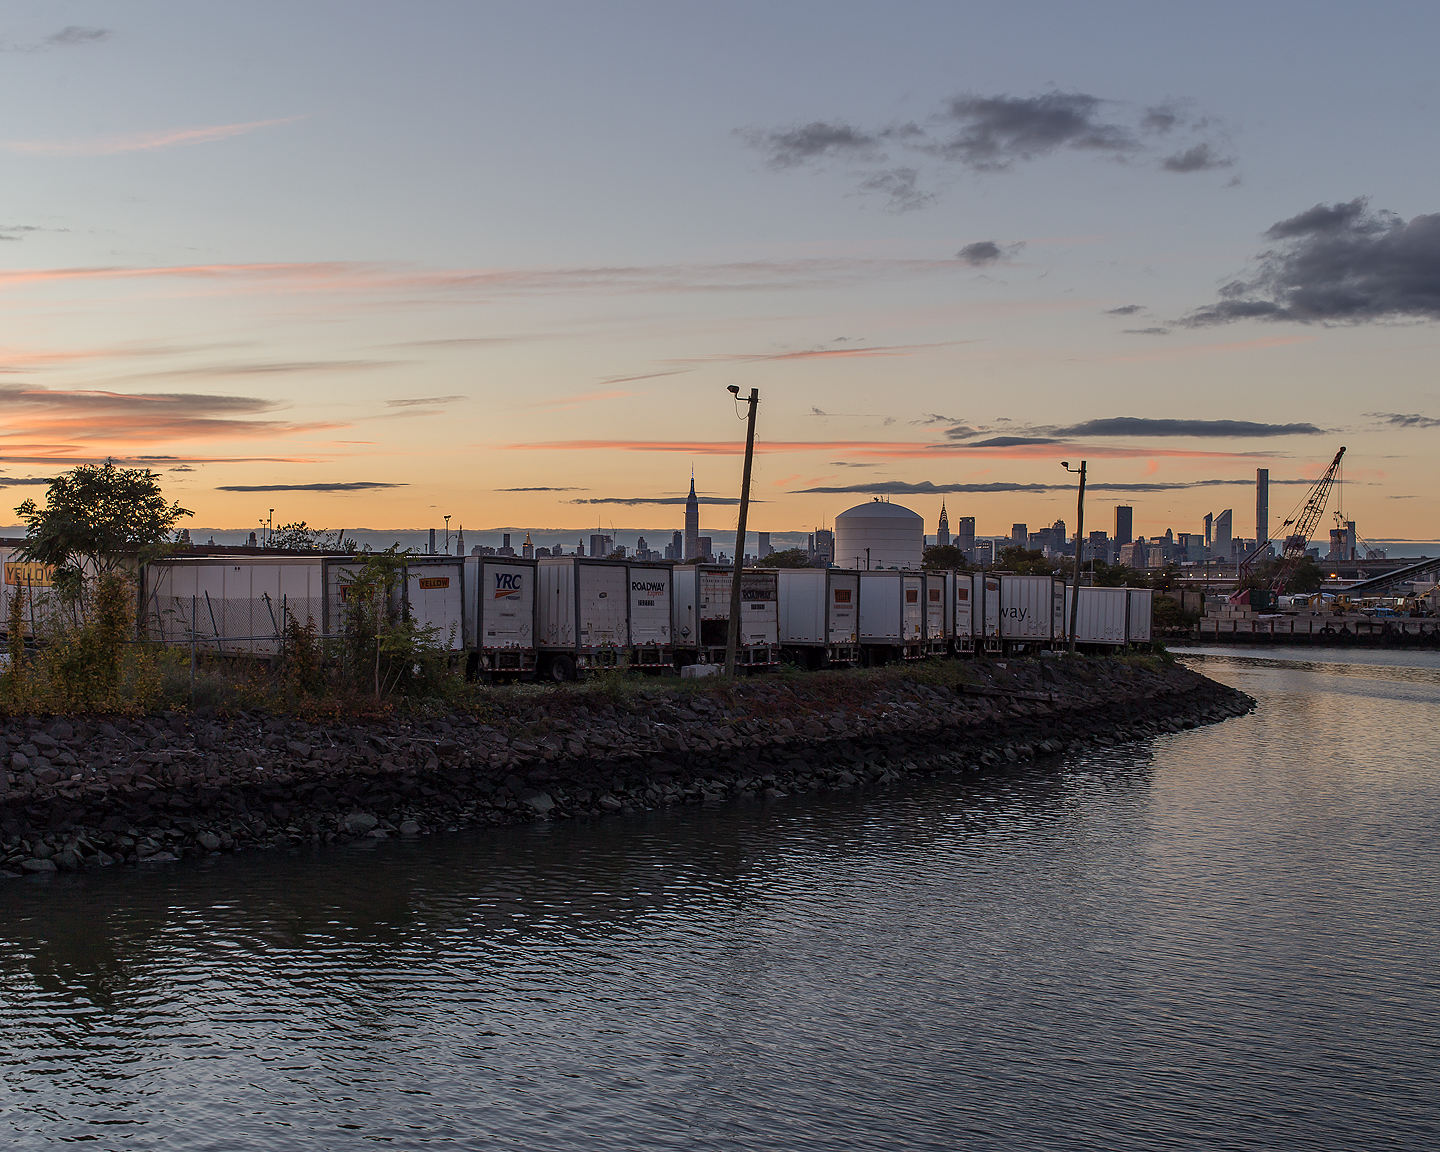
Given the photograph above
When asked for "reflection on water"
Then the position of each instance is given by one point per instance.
(1220, 938)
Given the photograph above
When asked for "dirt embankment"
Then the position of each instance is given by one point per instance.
(84, 792)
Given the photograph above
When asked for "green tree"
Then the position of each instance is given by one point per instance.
(787, 558)
(1307, 576)
(1031, 562)
(94, 517)
(945, 556)
(300, 537)
(1105, 575)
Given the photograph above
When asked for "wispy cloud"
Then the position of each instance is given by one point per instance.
(351, 277)
(37, 415)
(350, 486)
(859, 353)
(565, 403)
(925, 488)
(1405, 419)
(542, 489)
(21, 481)
(1021, 449)
(423, 401)
(637, 501)
(71, 36)
(141, 141)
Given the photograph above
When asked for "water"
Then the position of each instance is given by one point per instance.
(1224, 938)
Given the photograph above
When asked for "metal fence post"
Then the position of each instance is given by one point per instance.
(194, 606)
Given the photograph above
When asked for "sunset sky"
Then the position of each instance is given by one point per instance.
(371, 264)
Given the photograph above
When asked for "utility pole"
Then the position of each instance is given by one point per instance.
(447, 535)
(732, 643)
(1079, 545)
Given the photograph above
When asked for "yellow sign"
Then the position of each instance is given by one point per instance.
(435, 582)
(29, 575)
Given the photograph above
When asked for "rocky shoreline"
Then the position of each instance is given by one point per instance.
(88, 792)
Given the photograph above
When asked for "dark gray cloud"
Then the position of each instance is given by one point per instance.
(19, 481)
(790, 147)
(1405, 419)
(352, 486)
(996, 131)
(542, 489)
(1124, 310)
(1338, 263)
(1202, 157)
(1161, 119)
(901, 185)
(1133, 426)
(1226, 429)
(980, 253)
(423, 401)
(992, 134)
(1001, 441)
(1146, 331)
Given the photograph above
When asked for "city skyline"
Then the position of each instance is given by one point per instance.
(447, 285)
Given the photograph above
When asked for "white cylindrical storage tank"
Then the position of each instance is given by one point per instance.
(894, 537)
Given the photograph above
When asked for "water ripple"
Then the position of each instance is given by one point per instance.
(1223, 938)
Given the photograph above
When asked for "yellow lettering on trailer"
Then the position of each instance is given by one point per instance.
(435, 582)
(29, 575)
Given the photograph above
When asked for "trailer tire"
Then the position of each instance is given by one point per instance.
(562, 669)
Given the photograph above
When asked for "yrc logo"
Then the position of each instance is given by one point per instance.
(507, 585)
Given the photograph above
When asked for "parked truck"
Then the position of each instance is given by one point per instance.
(651, 641)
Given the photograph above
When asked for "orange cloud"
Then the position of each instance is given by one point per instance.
(141, 141)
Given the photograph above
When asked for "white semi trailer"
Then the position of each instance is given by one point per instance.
(818, 615)
(702, 615)
(584, 614)
(232, 604)
(501, 615)
(30, 583)
(1101, 617)
(652, 637)
(1031, 612)
(892, 616)
(939, 599)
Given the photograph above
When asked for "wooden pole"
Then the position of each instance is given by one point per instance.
(1079, 548)
(732, 643)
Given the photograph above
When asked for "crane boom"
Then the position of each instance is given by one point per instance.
(1297, 541)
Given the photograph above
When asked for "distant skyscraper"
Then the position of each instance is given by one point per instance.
(942, 533)
(824, 547)
(1262, 504)
(1209, 527)
(1220, 545)
(1020, 535)
(527, 549)
(965, 533)
(765, 548)
(1124, 524)
(692, 522)
(601, 545)
(703, 545)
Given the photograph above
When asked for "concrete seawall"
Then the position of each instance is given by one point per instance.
(90, 792)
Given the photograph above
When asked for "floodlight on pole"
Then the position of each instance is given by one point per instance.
(1079, 537)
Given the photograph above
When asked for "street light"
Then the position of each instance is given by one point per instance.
(732, 643)
(1079, 536)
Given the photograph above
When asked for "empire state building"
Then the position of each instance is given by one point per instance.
(692, 523)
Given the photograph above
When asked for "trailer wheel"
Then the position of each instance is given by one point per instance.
(562, 668)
